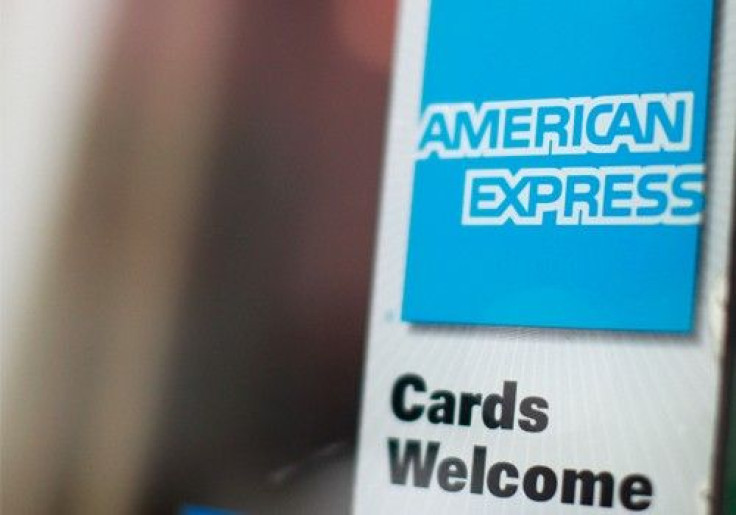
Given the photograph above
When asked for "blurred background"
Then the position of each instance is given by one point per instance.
(189, 197)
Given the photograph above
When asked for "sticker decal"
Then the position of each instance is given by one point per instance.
(559, 184)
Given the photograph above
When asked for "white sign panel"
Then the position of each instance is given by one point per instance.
(553, 244)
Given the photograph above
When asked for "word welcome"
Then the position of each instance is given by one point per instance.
(413, 401)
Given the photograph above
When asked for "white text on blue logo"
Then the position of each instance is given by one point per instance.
(656, 122)
(617, 195)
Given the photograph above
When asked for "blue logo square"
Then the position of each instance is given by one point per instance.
(559, 177)
(205, 510)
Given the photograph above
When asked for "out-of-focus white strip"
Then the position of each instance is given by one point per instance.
(51, 60)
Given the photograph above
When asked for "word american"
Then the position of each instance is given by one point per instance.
(654, 122)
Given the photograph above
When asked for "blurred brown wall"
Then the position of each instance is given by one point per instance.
(201, 318)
